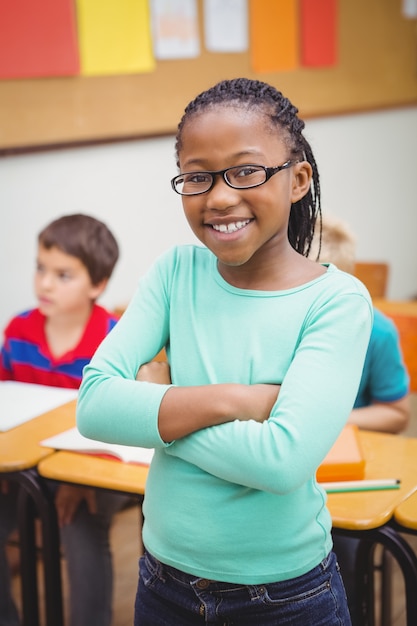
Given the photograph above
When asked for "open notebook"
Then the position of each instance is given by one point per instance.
(73, 440)
(21, 402)
(345, 461)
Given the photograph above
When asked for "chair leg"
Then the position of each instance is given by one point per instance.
(34, 495)
(28, 559)
(406, 559)
(365, 584)
(386, 588)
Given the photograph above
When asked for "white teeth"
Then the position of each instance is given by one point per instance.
(230, 228)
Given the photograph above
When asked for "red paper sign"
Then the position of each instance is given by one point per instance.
(38, 39)
(318, 32)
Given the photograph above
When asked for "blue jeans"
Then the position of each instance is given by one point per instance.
(346, 549)
(169, 597)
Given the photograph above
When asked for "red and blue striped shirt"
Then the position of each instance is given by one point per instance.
(25, 355)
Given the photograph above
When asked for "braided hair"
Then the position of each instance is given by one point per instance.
(282, 114)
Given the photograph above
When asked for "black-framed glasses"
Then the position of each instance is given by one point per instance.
(237, 177)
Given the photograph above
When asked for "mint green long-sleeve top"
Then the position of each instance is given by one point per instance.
(237, 502)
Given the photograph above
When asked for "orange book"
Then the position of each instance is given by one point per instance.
(345, 461)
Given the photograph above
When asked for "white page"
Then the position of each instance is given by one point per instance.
(226, 25)
(175, 29)
(73, 440)
(21, 402)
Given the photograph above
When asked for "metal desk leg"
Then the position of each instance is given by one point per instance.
(28, 559)
(34, 493)
(386, 588)
(406, 559)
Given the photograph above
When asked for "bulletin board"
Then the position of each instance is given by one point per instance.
(376, 68)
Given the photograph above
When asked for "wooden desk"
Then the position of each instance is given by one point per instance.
(20, 453)
(368, 515)
(19, 447)
(362, 514)
(404, 315)
(396, 307)
(93, 471)
(387, 456)
(406, 513)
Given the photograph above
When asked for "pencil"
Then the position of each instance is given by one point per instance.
(346, 486)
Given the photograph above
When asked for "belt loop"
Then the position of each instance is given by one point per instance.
(256, 592)
(155, 566)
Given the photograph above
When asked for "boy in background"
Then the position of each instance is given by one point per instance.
(50, 345)
(383, 400)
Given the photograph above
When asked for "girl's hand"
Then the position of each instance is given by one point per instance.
(155, 372)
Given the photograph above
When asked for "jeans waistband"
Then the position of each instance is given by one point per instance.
(162, 570)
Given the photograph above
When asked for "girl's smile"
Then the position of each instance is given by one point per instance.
(232, 227)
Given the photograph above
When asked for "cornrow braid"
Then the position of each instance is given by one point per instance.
(281, 113)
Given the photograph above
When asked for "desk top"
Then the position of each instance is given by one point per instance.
(84, 469)
(397, 307)
(387, 456)
(19, 447)
(406, 513)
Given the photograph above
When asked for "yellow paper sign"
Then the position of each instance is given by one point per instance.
(114, 37)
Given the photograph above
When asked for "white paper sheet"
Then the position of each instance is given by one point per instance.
(226, 25)
(20, 402)
(175, 29)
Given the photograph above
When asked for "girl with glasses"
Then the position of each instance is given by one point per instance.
(265, 350)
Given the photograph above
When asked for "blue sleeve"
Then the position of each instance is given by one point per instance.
(6, 365)
(385, 377)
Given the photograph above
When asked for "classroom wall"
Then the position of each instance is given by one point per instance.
(368, 166)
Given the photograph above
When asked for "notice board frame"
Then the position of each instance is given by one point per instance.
(376, 69)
